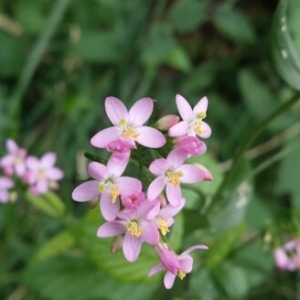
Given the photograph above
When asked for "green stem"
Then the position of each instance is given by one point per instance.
(246, 144)
(34, 60)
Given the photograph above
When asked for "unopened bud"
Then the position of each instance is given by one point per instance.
(166, 122)
(208, 176)
(116, 244)
(54, 185)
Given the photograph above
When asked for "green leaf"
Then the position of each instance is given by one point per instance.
(234, 25)
(285, 42)
(223, 245)
(103, 47)
(49, 203)
(188, 14)
(54, 246)
(179, 59)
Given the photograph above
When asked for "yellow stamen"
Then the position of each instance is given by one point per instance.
(198, 127)
(114, 193)
(134, 229)
(181, 274)
(174, 177)
(42, 174)
(201, 115)
(164, 229)
(101, 187)
(129, 132)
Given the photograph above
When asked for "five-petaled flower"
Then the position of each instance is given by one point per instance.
(192, 119)
(128, 125)
(176, 265)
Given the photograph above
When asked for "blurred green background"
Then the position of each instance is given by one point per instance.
(60, 59)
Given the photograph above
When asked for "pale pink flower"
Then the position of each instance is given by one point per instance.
(191, 144)
(135, 227)
(288, 256)
(6, 183)
(128, 125)
(170, 173)
(192, 120)
(41, 174)
(14, 161)
(166, 122)
(176, 265)
(109, 185)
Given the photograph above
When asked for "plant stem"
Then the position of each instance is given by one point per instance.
(246, 144)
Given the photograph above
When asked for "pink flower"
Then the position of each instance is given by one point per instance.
(41, 173)
(176, 265)
(288, 257)
(128, 125)
(15, 160)
(191, 144)
(136, 229)
(109, 185)
(132, 201)
(5, 184)
(192, 120)
(171, 172)
(120, 151)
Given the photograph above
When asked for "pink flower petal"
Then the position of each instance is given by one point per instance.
(20, 169)
(201, 106)
(128, 185)
(191, 174)
(189, 250)
(42, 186)
(184, 108)
(106, 136)
(6, 183)
(115, 168)
(47, 160)
(115, 110)
(173, 194)
(170, 211)
(177, 157)
(207, 130)
(98, 171)
(111, 229)
(159, 166)
(159, 267)
(7, 160)
(4, 196)
(156, 187)
(186, 264)
(150, 233)
(86, 191)
(140, 112)
(150, 137)
(11, 146)
(131, 247)
(32, 163)
(108, 209)
(55, 174)
(169, 280)
(179, 129)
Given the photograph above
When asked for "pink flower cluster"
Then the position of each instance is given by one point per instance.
(288, 256)
(39, 174)
(135, 215)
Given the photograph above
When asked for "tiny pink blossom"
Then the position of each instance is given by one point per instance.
(6, 183)
(41, 174)
(191, 144)
(109, 184)
(192, 120)
(128, 125)
(135, 227)
(288, 256)
(166, 122)
(132, 201)
(14, 161)
(176, 265)
(170, 173)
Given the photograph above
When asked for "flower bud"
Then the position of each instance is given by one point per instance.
(93, 203)
(191, 144)
(166, 122)
(208, 176)
(116, 244)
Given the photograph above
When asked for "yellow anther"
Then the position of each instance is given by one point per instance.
(174, 177)
(181, 274)
(134, 229)
(129, 132)
(101, 187)
(198, 128)
(164, 229)
(114, 193)
(123, 123)
(201, 115)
